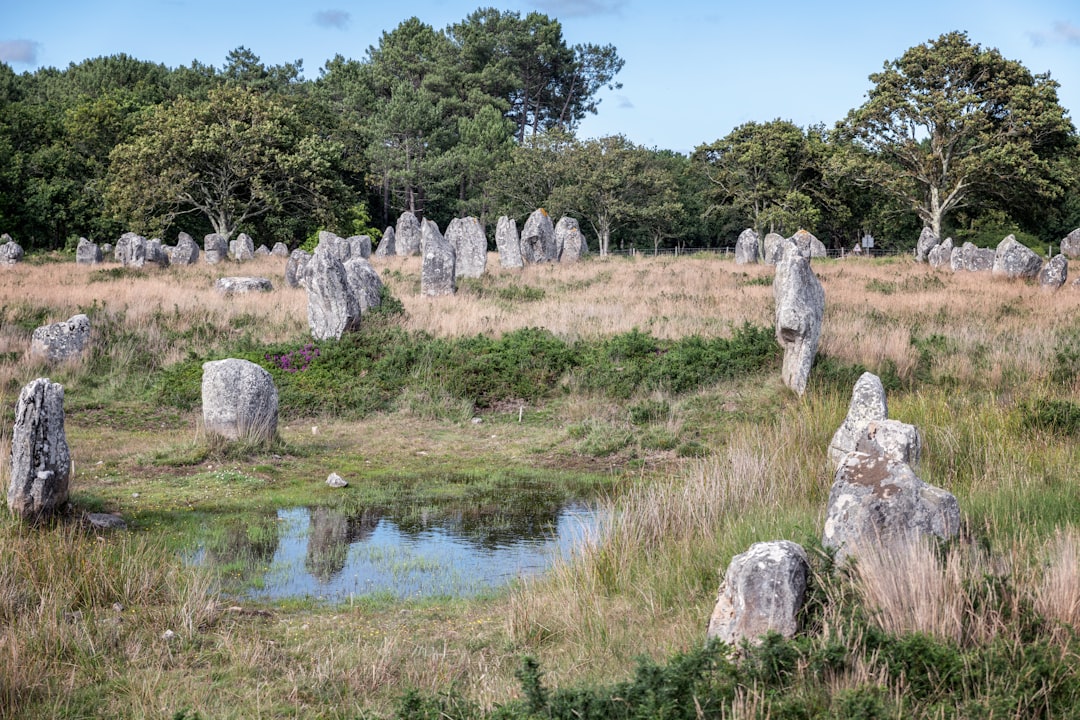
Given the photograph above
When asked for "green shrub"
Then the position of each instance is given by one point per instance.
(1056, 416)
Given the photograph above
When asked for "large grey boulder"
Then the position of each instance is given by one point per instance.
(262, 251)
(538, 239)
(466, 236)
(241, 285)
(746, 247)
(215, 248)
(280, 249)
(87, 252)
(1013, 260)
(876, 500)
(239, 400)
(61, 341)
(242, 248)
(508, 242)
(339, 245)
(969, 258)
(867, 404)
(40, 459)
(157, 253)
(809, 245)
(364, 283)
(763, 591)
(941, 254)
(359, 246)
(333, 309)
(387, 245)
(800, 309)
(570, 244)
(407, 234)
(1070, 244)
(186, 251)
(296, 267)
(773, 246)
(130, 250)
(1054, 273)
(437, 272)
(927, 241)
(11, 252)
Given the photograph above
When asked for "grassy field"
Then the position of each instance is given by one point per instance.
(651, 383)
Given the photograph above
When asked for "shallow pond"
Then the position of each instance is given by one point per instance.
(334, 555)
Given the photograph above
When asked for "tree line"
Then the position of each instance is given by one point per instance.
(480, 119)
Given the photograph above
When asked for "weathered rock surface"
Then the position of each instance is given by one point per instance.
(466, 236)
(359, 246)
(800, 308)
(364, 283)
(104, 521)
(969, 258)
(336, 481)
(876, 500)
(570, 244)
(11, 252)
(87, 253)
(746, 247)
(538, 239)
(508, 242)
(333, 309)
(186, 251)
(773, 245)
(407, 234)
(262, 251)
(1013, 260)
(809, 245)
(437, 272)
(242, 248)
(1070, 244)
(131, 250)
(239, 400)
(240, 285)
(927, 241)
(280, 249)
(157, 253)
(341, 247)
(763, 590)
(1054, 273)
(215, 248)
(296, 267)
(941, 254)
(387, 245)
(40, 459)
(63, 340)
(867, 404)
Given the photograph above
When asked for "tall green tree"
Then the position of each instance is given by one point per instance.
(951, 123)
(235, 157)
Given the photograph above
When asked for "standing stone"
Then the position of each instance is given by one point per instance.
(1014, 260)
(1054, 273)
(1070, 244)
(242, 248)
(215, 248)
(364, 283)
(969, 258)
(508, 243)
(746, 247)
(40, 460)
(773, 248)
(333, 310)
(61, 341)
(186, 251)
(242, 285)
(262, 251)
(296, 268)
(131, 250)
(941, 254)
(867, 404)
(156, 253)
(359, 246)
(927, 241)
(538, 239)
(386, 245)
(437, 271)
(407, 234)
(570, 243)
(10, 251)
(876, 500)
(239, 400)
(467, 238)
(809, 245)
(763, 591)
(87, 253)
(800, 308)
(280, 249)
(339, 245)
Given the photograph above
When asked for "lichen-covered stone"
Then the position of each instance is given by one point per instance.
(927, 241)
(364, 283)
(333, 309)
(800, 309)
(868, 403)
(186, 251)
(131, 250)
(241, 285)
(538, 239)
(941, 254)
(407, 234)
(1054, 273)
(437, 272)
(215, 248)
(508, 242)
(1013, 260)
(773, 246)
(763, 591)
(87, 253)
(296, 268)
(239, 400)
(746, 247)
(466, 236)
(40, 459)
(570, 245)
(61, 341)
(242, 248)
(388, 244)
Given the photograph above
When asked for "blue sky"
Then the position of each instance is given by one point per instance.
(694, 70)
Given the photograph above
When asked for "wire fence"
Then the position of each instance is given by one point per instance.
(729, 250)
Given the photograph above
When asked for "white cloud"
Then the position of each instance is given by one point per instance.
(581, 8)
(337, 19)
(1063, 32)
(19, 51)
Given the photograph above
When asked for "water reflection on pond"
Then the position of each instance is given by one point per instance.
(334, 555)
